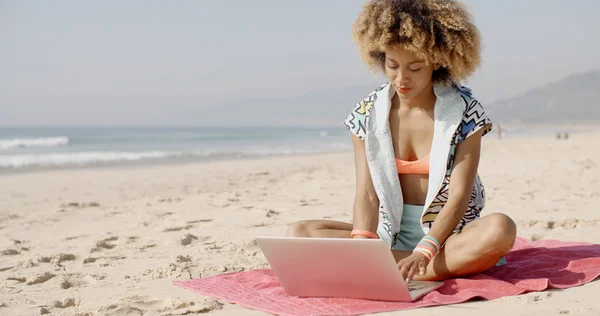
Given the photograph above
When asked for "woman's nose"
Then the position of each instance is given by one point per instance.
(402, 77)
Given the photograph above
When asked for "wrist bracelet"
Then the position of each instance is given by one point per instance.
(365, 233)
(429, 246)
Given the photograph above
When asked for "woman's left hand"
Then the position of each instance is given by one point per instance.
(414, 264)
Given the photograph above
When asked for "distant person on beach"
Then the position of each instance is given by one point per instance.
(417, 141)
(499, 130)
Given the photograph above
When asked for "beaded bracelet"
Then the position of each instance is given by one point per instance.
(429, 246)
(435, 242)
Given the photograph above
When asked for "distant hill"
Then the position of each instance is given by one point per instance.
(575, 98)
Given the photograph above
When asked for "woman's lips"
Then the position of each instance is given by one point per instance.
(403, 90)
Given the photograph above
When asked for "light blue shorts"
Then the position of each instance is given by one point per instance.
(411, 232)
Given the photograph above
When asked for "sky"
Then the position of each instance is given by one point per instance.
(68, 62)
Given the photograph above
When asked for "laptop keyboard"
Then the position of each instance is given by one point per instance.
(415, 286)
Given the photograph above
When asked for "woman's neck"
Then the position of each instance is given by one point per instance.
(424, 101)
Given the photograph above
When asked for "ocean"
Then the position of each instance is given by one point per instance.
(27, 149)
(48, 148)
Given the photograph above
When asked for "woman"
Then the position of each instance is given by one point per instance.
(417, 143)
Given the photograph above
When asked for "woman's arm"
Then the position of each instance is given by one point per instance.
(464, 171)
(366, 202)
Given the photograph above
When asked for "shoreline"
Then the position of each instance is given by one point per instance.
(153, 163)
(156, 164)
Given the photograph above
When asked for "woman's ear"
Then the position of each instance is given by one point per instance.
(436, 66)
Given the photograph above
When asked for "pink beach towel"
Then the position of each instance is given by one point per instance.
(532, 266)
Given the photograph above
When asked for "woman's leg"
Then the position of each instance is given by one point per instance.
(320, 228)
(478, 247)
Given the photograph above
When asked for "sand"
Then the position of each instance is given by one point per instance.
(111, 241)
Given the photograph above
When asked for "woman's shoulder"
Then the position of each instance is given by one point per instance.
(357, 118)
(474, 116)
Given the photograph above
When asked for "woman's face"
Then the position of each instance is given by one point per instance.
(409, 75)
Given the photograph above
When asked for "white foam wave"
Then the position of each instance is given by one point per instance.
(6, 144)
(79, 159)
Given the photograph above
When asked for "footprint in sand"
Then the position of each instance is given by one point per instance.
(18, 279)
(535, 237)
(89, 260)
(213, 246)
(260, 225)
(42, 278)
(169, 200)
(311, 202)
(10, 252)
(8, 217)
(29, 263)
(75, 237)
(271, 213)
(105, 244)
(538, 297)
(66, 303)
(200, 221)
(219, 205)
(80, 205)
(58, 259)
(103, 261)
(187, 240)
(176, 229)
(77, 280)
(143, 248)
(182, 259)
(569, 223)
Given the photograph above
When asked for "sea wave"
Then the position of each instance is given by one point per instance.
(6, 144)
(100, 157)
(80, 159)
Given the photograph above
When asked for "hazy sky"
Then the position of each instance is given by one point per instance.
(133, 62)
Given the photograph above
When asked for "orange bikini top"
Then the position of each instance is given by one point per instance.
(420, 166)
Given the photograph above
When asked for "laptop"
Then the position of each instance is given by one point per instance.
(340, 267)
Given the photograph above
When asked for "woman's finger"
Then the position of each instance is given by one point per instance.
(411, 273)
(404, 266)
(422, 267)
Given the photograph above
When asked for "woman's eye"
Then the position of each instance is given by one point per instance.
(393, 66)
(415, 70)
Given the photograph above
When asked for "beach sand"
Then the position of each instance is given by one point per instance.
(111, 241)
